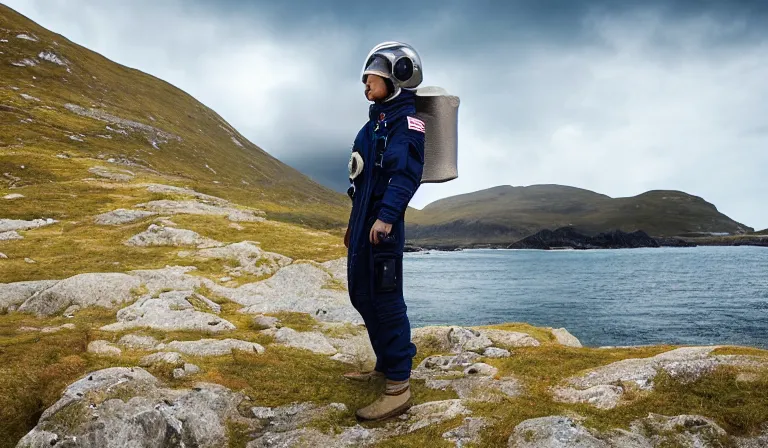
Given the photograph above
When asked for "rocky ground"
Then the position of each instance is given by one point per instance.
(247, 350)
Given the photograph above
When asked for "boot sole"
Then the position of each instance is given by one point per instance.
(393, 413)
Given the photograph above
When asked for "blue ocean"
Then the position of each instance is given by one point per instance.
(700, 295)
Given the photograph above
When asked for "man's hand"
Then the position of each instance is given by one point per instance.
(346, 239)
(379, 226)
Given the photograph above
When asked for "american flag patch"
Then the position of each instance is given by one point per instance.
(416, 125)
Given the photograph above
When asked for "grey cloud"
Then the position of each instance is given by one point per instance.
(617, 97)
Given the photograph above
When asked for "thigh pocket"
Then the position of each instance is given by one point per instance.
(385, 270)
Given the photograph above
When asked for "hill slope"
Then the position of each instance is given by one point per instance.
(506, 214)
(57, 97)
(81, 136)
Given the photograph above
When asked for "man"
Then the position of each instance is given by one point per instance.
(385, 171)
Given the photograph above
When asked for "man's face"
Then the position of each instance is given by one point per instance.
(375, 88)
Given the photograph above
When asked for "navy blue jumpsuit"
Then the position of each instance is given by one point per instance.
(392, 147)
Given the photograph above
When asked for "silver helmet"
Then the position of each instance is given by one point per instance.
(396, 61)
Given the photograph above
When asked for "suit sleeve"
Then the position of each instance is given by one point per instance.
(407, 153)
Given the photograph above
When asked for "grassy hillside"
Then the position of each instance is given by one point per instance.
(58, 98)
(505, 214)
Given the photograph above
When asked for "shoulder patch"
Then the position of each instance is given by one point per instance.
(416, 125)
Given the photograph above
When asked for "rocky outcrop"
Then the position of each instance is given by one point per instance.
(112, 174)
(125, 407)
(565, 338)
(171, 311)
(251, 259)
(121, 216)
(469, 379)
(14, 294)
(10, 236)
(211, 347)
(568, 237)
(601, 387)
(157, 235)
(106, 290)
(7, 225)
(200, 208)
(459, 339)
(299, 287)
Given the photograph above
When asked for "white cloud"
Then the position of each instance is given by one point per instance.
(650, 103)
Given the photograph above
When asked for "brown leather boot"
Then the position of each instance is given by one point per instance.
(393, 402)
(364, 377)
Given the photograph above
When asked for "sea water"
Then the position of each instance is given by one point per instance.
(701, 295)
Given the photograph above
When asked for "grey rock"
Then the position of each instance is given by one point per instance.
(3, 256)
(434, 412)
(121, 216)
(553, 432)
(71, 310)
(13, 196)
(495, 352)
(298, 287)
(10, 236)
(506, 338)
(181, 191)
(250, 257)
(604, 396)
(485, 388)
(29, 260)
(112, 174)
(170, 311)
(565, 338)
(687, 363)
(172, 358)
(7, 225)
(212, 347)
(451, 339)
(469, 432)
(106, 290)
(480, 368)
(692, 431)
(136, 341)
(168, 236)
(200, 208)
(169, 278)
(191, 369)
(14, 294)
(355, 348)
(103, 348)
(55, 329)
(442, 363)
(266, 321)
(315, 342)
(154, 418)
(337, 268)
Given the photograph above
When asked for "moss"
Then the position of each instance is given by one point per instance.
(297, 321)
(238, 434)
(543, 335)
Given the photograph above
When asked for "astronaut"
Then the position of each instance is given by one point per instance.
(385, 171)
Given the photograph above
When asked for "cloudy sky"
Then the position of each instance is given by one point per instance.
(615, 97)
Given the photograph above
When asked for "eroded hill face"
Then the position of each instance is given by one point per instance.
(64, 109)
(506, 214)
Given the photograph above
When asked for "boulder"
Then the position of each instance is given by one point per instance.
(434, 412)
(299, 287)
(170, 311)
(172, 358)
(249, 256)
(604, 396)
(553, 432)
(14, 294)
(107, 290)
(565, 338)
(168, 236)
(13, 196)
(7, 225)
(313, 341)
(135, 341)
(189, 369)
(169, 278)
(182, 191)
(121, 216)
(126, 407)
(469, 432)
(211, 347)
(266, 321)
(10, 236)
(494, 352)
(103, 348)
(506, 338)
(451, 339)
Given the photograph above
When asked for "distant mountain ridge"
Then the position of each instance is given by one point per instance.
(506, 214)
